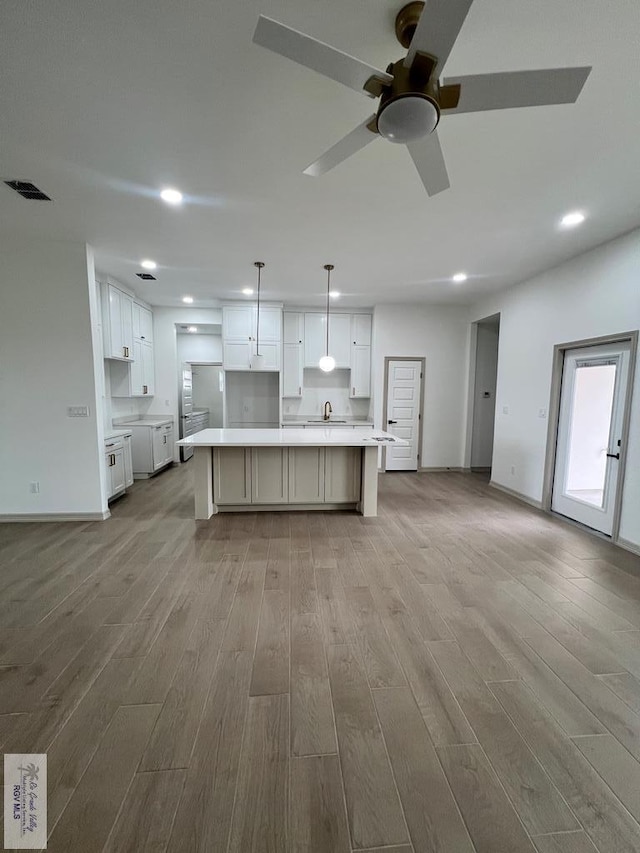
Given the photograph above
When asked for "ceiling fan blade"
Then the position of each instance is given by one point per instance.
(316, 55)
(426, 153)
(438, 28)
(479, 92)
(348, 145)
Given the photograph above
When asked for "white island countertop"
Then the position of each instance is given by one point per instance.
(329, 437)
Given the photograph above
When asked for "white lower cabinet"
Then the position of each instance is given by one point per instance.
(128, 462)
(342, 474)
(152, 447)
(118, 465)
(116, 472)
(290, 475)
(306, 475)
(269, 475)
(231, 475)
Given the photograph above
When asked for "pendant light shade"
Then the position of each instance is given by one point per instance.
(327, 363)
(257, 359)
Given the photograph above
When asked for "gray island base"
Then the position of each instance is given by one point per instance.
(241, 470)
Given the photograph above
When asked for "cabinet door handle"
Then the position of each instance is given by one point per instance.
(300, 391)
(111, 445)
(144, 389)
(353, 391)
(165, 439)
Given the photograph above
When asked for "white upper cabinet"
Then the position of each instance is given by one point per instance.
(315, 338)
(270, 323)
(293, 327)
(340, 339)
(129, 330)
(292, 370)
(315, 331)
(117, 324)
(360, 371)
(236, 355)
(361, 329)
(237, 323)
(240, 331)
(142, 323)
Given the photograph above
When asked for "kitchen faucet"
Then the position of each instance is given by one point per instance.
(326, 414)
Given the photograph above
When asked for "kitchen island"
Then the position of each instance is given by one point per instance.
(240, 470)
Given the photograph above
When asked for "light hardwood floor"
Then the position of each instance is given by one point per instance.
(460, 674)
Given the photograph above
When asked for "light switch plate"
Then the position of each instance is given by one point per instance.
(505, 410)
(77, 411)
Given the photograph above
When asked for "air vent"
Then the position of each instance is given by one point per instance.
(27, 190)
(146, 276)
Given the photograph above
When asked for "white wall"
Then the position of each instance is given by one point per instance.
(485, 381)
(595, 294)
(48, 351)
(165, 400)
(199, 347)
(208, 392)
(318, 387)
(440, 335)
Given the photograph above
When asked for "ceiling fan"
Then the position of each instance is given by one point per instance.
(412, 96)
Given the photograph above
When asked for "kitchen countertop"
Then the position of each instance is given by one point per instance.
(116, 433)
(333, 436)
(147, 420)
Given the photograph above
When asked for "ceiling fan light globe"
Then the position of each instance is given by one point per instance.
(327, 363)
(408, 118)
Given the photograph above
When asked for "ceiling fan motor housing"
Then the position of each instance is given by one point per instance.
(419, 113)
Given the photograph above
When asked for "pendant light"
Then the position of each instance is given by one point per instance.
(327, 362)
(257, 359)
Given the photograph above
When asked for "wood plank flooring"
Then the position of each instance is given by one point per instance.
(459, 675)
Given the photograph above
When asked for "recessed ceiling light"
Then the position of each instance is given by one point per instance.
(171, 196)
(192, 328)
(187, 299)
(570, 220)
(247, 291)
(334, 294)
(148, 265)
(459, 277)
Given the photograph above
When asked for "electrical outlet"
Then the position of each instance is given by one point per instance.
(505, 410)
(34, 488)
(542, 413)
(77, 411)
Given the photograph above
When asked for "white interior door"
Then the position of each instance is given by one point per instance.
(404, 379)
(592, 404)
(186, 408)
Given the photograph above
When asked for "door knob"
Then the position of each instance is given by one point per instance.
(392, 422)
(613, 455)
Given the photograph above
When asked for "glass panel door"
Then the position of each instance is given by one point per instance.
(594, 383)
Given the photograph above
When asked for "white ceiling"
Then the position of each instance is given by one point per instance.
(104, 102)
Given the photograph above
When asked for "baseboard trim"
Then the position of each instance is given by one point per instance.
(628, 546)
(517, 495)
(285, 507)
(436, 469)
(55, 516)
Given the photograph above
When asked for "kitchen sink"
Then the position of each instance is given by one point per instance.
(322, 421)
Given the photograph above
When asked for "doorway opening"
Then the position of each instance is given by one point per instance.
(402, 411)
(590, 411)
(485, 383)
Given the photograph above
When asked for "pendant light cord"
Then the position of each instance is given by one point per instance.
(258, 264)
(328, 268)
